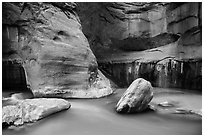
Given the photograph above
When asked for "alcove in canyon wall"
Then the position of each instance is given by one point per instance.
(160, 42)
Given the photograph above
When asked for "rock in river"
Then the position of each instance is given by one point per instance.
(31, 110)
(46, 39)
(136, 97)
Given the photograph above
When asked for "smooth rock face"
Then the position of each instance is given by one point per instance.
(46, 38)
(99, 87)
(136, 98)
(18, 112)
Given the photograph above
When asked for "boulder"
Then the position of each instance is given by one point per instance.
(19, 112)
(136, 98)
(47, 39)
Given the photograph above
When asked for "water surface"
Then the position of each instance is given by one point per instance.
(98, 116)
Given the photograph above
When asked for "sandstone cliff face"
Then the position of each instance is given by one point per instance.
(130, 40)
(139, 26)
(46, 38)
(126, 26)
(160, 42)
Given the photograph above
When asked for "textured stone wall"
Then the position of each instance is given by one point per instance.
(123, 26)
(46, 38)
(155, 34)
(182, 18)
(185, 74)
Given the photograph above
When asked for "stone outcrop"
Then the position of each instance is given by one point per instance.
(47, 40)
(18, 112)
(136, 98)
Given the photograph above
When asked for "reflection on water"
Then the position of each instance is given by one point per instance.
(98, 116)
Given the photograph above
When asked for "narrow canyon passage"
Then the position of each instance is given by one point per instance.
(80, 57)
(98, 116)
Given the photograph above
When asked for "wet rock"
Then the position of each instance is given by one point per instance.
(136, 98)
(31, 110)
(99, 87)
(165, 73)
(187, 111)
(153, 107)
(174, 107)
(182, 111)
(167, 104)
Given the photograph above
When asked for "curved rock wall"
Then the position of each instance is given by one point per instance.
(160, 42)
(123, 26)
(46, 38)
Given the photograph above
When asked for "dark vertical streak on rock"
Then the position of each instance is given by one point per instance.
(167, 75)
(200, 19)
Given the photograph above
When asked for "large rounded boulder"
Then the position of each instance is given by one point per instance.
(47, 40)
(136, 98)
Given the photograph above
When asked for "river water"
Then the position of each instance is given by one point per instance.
(98, 117)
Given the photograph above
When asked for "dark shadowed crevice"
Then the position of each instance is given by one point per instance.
(143, 43)
(13, 76)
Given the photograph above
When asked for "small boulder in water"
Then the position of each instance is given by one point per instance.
(136, 98)
(30, 110)
(167, 104)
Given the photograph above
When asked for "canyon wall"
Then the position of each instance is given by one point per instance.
(161, 42)
(44, 48)
(46, 39)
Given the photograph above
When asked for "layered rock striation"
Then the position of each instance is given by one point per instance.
(47, 40)
(160, 42)
(136, 26)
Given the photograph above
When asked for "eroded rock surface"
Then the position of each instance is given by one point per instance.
(46, 38)
(136, 98)
(160, 42)
(18, 112)
(135, 26)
